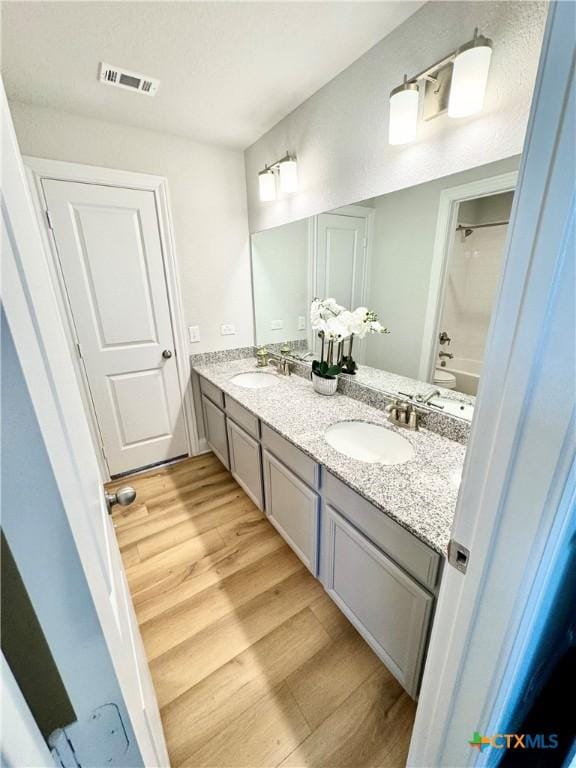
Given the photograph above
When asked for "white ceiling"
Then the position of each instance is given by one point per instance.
(229, 70)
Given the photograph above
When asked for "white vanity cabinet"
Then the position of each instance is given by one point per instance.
(389, 609)
(293, 509)
(215, 426)
(380, 575)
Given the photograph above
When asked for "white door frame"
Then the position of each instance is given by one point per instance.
(514, 508)
(38, 169)
(22, 742)
(450, 200)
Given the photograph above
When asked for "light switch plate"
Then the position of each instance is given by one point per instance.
(276, 325)
(194, 333)
(227, 329)
(301, 323)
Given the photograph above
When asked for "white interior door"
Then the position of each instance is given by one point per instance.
(341, 248)
(341, 258)
(40, 343)
(110, 253)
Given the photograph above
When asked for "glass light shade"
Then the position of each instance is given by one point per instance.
(289, 176)
(267, 185)
(469, 78)
(403, 114)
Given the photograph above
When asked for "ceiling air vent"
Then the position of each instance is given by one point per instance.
(132, 81)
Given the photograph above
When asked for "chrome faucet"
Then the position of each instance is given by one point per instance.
(282, 364)
(425, 399)
(449, 355)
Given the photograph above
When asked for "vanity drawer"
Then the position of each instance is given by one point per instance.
(302, 465)
(216, 436)
(212, 392)
(243, 417)
(401, 545)
(389, 609)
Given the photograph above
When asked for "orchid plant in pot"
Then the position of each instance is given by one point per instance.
(324, 317)
(335, 324)
(361, 322)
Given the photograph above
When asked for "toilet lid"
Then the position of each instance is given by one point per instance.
(443, 376)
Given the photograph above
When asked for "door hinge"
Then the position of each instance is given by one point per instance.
(49, 219)
(99, 738)
(79, 348)
(458, 556)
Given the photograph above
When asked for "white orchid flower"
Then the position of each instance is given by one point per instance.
(339, 326)
(322, 310)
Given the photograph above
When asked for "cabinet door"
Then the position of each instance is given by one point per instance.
(292, 508)
(215, 424)
(390, 610)
(245, 462)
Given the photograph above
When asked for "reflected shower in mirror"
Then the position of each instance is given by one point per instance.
(473, 271)
(426, 259)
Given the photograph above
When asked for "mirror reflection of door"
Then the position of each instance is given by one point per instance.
(470, 289)
(341, 254)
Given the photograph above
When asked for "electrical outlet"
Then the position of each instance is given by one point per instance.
(301, 323)
(194, 333)
(227, 329)
(276, 325)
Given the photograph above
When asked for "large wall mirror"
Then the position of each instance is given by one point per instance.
(427, 259)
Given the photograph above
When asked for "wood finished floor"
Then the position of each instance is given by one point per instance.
(252, 662)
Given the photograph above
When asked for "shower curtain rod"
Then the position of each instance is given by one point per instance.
(481, 226)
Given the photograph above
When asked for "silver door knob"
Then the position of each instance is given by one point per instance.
(167, 354)
(123, 496)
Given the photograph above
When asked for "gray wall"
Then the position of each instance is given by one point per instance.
(340, 134)
(208, 201)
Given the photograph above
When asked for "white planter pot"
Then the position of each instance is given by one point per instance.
(324, 386)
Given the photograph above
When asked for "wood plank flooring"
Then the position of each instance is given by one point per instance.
(253, 664)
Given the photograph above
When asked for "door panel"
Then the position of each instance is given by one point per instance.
(133, 393)
(101, 234)
(341, 258)
(111, 258)
(341, 263)
(216, 434)
(293, 509)
(393, 614)
(245, 462)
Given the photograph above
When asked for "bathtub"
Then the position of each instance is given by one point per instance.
(467, 373)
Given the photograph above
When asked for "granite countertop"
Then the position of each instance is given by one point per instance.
(419, 494)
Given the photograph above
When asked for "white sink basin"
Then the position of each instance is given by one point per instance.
(255, 380)
(369, 442)
(454, 407)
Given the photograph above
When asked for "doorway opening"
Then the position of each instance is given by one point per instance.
(470, 287)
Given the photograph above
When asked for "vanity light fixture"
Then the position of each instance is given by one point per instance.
(287, 169)
(456, 83)
(267, 185)
(403, 113)
(469, 77)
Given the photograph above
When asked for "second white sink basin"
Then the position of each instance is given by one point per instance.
(255, 379)
(454, 407)
(369, 442)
